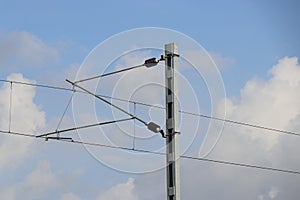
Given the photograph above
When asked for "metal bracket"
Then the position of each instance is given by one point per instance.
(172, 55)
(162, 58)
(175, 132)
(59, 138)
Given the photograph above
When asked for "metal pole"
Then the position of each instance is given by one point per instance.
(173, 178)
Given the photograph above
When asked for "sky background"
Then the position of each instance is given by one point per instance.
(255, 45)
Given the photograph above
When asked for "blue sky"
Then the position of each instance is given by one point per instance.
(232, 28)
(256, 45)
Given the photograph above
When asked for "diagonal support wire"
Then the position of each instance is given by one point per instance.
(110, 73)
(151, 125)
(147, 63)
(64, 113)
(107, 102)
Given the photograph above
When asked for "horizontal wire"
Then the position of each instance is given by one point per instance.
(72, 90)
(16, 133)
(161, 153)
(117, 147)
(192, 158)
(242, 123)
(161, 107)
(37, 85)
(187, 157)
(241, 164)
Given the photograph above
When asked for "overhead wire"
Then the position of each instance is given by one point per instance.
(19, 134)
(241, 164)
(133, 117)
(161, 107)
(147, 151)
(242, 123)
(224, 162)
(37, 85)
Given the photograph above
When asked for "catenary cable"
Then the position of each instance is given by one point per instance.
(161, 107)
(161, 153)
(242, 123)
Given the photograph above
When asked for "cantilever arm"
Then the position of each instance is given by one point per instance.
(151, 126)
(105, 101)
(85, 126)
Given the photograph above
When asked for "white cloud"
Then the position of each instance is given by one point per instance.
(25, 48)
(36, 185)
(151, 186)
(69, 196)
(120, 191)
(273, 102)
(271, 194)
(42, 182)
(38, 182)
(8, 193)
(26, 117)
(24, 109)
